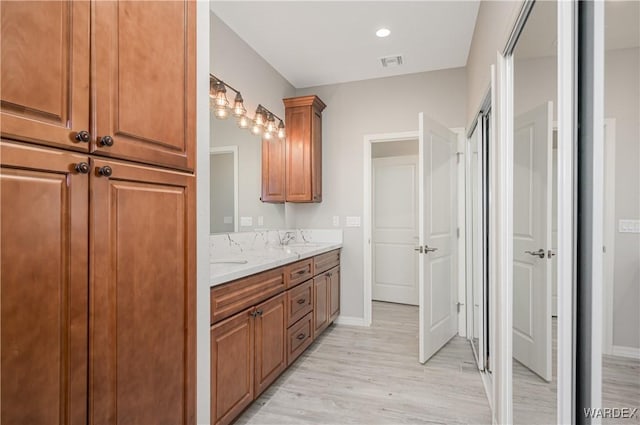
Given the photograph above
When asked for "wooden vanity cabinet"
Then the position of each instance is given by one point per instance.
(303, 156)
(270, 342)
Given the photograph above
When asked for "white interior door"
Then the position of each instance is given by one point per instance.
(395, 229)
(437, 264)
(532, 240)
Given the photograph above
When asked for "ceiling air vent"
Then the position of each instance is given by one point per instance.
(391, 61)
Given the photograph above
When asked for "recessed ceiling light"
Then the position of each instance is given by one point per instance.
(383, 32)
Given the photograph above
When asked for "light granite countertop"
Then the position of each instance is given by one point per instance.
(241, 264)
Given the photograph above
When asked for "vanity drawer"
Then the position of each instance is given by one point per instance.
(230, 298)
(298, 272)
(299, 302)
(298, 338)
(326, 261)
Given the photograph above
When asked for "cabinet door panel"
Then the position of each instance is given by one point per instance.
(273, 153)
(298, 158)
(334, 293)
(44, 286)
(270, 340)
(232, 357)
(143, 296)
(45, 71)
(145, 81)
(320, 304)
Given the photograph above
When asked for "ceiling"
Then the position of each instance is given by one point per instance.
(326, 42)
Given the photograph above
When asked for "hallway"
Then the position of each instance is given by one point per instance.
(360, 375)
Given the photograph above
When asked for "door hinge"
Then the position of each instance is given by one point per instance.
(459, 306)
(458, 155)
(458, 232)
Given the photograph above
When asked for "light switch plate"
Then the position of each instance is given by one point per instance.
(629, 226)
(336, 220)
(352, 221)
(228, 219)
(246, 221)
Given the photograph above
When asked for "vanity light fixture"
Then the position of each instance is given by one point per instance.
(263, 122)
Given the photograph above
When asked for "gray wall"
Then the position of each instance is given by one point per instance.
(222, 193)
(399, 148)
(493, 27)
(353, 110)
(536, 82)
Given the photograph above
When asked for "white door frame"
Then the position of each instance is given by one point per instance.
(609, 232)
(369, 139)
(232, 149)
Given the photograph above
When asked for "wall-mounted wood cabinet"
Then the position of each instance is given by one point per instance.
(294, 174)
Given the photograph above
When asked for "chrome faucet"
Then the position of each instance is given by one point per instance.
(288, 237)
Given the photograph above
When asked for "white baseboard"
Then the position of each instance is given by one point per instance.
(622, 351)
(350, 321)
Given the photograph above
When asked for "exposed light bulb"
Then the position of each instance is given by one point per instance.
(259, 119)
(271, 123)
(220, 94)
(221, 112)
(256, 129)
(268, 135)
(244, 122)
(238, 106)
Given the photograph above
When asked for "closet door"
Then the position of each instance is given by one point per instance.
(144, 86)
(142, 277)
(45, 72)
(43, 264)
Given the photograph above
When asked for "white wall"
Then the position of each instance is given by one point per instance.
(367, 107)
(493, 27)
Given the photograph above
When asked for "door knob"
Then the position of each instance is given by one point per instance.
(106, 141)
(82, 167)
(105, 171)
(539, 253)
(550, 254)
(83, 136)
(428, 250)
(419, 249)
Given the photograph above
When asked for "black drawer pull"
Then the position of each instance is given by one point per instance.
(301, 336)
(302, 301)
(301, 272)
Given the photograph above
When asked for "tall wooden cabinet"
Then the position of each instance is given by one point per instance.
(303, 159)
(98, 253)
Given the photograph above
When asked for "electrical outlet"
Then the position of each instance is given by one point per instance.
(336, 221)
(629, 226)
(352, 221)
(246, 221)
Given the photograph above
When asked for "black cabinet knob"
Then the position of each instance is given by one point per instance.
(301, 336)
(105, 171)
(83, 136)
(82, 167)
(106, 141)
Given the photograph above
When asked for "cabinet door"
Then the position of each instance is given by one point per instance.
(43, 313)
(232, 354)
(316, 155)
(270, 340)
(45, 71)
(298, 158)
(144, 61)
(320, 304)
(334, 293)
(273, 152)
(142, 337)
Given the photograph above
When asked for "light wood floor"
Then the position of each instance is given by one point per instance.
(535, 400)
(356, 375)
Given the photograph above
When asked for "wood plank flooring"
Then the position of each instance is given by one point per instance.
(356, 375)
(535, 400)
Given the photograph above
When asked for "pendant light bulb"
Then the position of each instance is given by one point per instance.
(281, 132)
(259, 119)
(238, 106)
(221, 112)
(244, 121)
(256, 129)
(268, 135)
(271, 123)
(220, 94)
